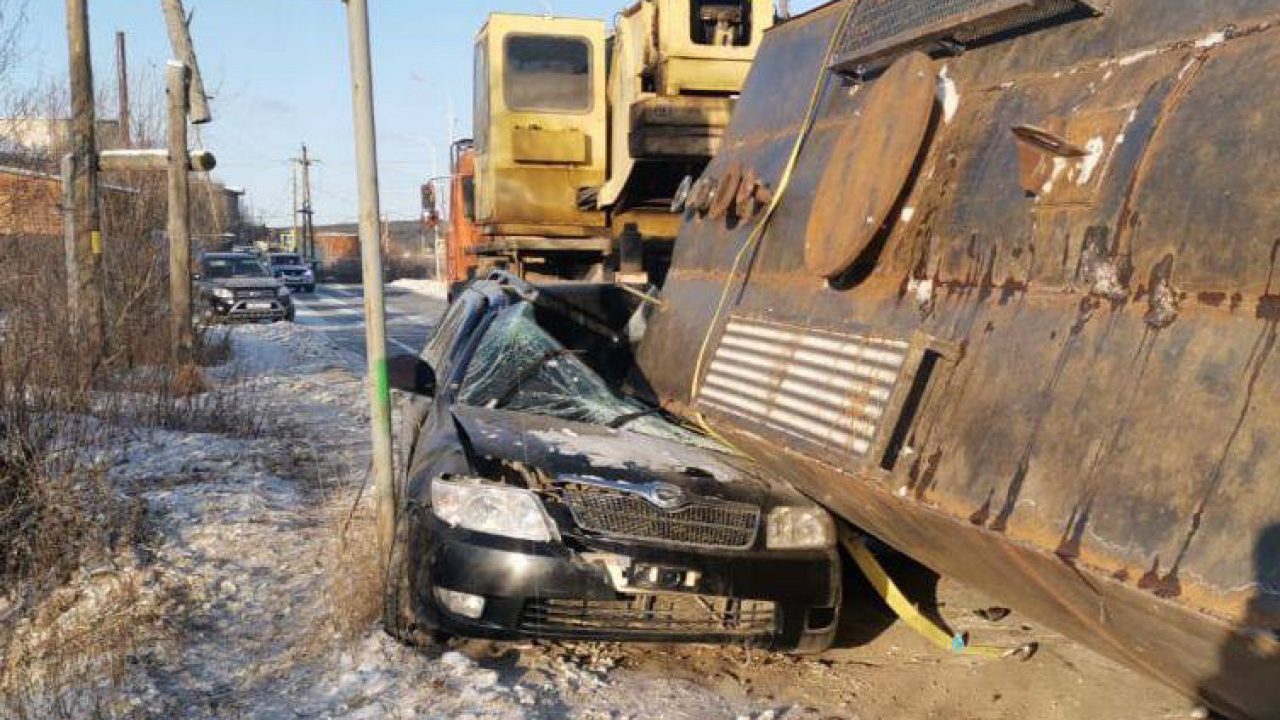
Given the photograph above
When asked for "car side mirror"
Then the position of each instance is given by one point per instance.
(411, 374)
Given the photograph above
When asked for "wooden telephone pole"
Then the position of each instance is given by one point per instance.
(178, 76)
(80, 176)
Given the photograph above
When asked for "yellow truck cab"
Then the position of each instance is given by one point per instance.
(541, 130)
(583, 136)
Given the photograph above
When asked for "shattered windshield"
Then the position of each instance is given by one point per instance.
(519, 366)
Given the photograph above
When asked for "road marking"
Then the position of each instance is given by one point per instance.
(402, 346)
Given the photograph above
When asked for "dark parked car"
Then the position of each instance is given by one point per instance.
(295, 273)
(542, 501)
(238, 286)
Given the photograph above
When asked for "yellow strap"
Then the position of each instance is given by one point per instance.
(911, 615)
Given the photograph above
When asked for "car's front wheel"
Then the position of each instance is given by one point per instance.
(399, 610)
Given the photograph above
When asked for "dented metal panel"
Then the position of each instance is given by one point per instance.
(1083, 261)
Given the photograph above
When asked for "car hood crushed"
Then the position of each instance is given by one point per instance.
(565, 449)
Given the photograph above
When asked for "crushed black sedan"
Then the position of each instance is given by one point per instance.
(540, 500)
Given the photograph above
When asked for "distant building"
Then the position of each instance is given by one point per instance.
(52, 135)
(30, 203)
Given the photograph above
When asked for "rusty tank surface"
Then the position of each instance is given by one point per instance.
(997, 282)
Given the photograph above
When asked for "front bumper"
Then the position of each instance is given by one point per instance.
(777, 600)
(250, 310)
(297, 281)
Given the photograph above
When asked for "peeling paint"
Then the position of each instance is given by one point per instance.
(948, 96)
(1211, 40)
(1089, 163)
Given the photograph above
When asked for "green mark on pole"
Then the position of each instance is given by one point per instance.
(381, 384)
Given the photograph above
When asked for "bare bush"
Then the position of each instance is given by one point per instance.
(352, 570)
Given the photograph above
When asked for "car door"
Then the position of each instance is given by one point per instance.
(441, 353)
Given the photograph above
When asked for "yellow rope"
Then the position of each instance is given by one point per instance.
(758, 231)
(911, 615)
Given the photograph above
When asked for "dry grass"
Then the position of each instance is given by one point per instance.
(63, 407)
(353, 572)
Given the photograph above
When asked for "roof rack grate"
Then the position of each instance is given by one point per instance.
(881, 30)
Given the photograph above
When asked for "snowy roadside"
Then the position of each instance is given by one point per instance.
(242, 601)
(232, 598)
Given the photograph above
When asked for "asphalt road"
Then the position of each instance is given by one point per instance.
(338, 311)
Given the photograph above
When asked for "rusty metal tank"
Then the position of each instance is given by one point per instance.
(998, 284)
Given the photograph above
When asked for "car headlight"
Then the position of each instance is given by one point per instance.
(223, 293)
(308, 274)
(795, 528)
(282, 291)
(490, 508)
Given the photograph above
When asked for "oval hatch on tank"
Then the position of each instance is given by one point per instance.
(870, 165)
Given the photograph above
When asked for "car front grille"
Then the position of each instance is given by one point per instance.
(699, 523)
(667, 614)
(256, 294)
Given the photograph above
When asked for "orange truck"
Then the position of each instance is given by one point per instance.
(462, 236)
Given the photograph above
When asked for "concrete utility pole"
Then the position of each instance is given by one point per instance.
(308, 225)
(297, 230)
(371, 266)
(305, 240)
(184, 50)
(84, 289)
(122, 92)
(179, 227)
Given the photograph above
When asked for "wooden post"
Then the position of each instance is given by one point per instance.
(175, 19)
(122, 92)
(152, 160)
(179, 228)
(86, 225)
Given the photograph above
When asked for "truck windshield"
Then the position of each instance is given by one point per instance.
(519, 366)
(223, 268)
(286, 260)
(547, 73)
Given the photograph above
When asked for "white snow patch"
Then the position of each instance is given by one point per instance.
(436, 289)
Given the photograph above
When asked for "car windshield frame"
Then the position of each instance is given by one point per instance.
(229, 268)
(516, 365)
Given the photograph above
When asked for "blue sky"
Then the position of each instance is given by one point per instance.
(278, 71)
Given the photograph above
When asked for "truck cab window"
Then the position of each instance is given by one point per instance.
(720, 22)
(547, 74)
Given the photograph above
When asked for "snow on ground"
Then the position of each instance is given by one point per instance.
(242, 543)
(235, 599)
(431, 288)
